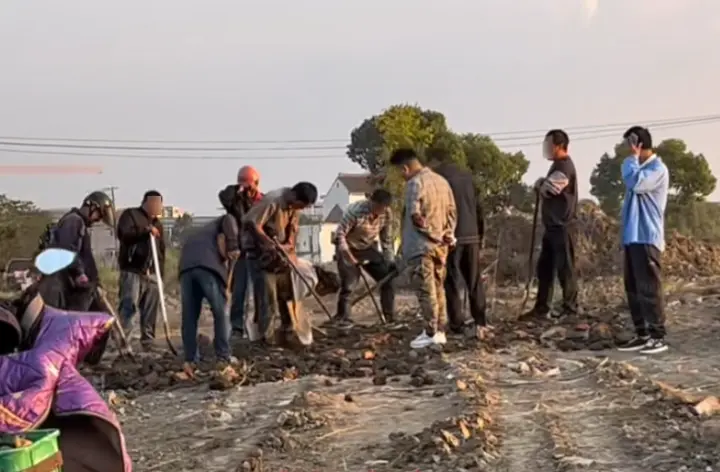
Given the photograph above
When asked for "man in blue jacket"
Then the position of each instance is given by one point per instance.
(646, 180)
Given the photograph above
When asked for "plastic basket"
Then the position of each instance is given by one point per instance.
(43, 451)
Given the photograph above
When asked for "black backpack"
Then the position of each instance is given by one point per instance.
(47, 238)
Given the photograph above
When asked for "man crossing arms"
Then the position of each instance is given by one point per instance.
(559, 194)
(428, 228)
(646, 180)
(362, 225)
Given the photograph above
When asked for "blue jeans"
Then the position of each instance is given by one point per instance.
(195, 285)
(245, 277)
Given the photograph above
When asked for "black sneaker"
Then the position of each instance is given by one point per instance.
(533, 315)
(635, 344)
(654, 346)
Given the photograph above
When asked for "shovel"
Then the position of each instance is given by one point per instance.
(123, 345)
(161, 291)
(369, 290)
(531, 252)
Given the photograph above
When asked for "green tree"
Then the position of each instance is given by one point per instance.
(21, 225)
(372, 143)
(691, 178)
(606, 182)
(497, 174)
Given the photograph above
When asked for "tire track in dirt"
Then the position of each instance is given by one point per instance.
(559, 425)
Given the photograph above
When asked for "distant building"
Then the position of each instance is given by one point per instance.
(318, 223)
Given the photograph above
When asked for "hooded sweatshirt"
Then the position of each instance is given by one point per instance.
(646, 191)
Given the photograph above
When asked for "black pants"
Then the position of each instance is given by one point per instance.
(463, 268)
(643, 285)
(378, 268)
(557, 256)
(58, 291)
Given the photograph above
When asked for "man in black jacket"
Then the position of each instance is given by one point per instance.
(138, 287)
(75, 288)
(237, 200)
(463, 265)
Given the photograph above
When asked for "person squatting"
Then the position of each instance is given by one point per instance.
(441, 235)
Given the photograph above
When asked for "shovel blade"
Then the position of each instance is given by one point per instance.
(301, 323)
(252, 329)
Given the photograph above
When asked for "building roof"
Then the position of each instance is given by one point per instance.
(335, 215)
(356, 183)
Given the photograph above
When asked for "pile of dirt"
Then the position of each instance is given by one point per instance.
(597, 247)
(371, 352)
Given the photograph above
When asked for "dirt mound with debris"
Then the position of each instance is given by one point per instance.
(597, 247)
(363, 352)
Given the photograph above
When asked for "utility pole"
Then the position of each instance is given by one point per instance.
(112, 189)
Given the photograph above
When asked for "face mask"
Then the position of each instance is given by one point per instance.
(547, 150)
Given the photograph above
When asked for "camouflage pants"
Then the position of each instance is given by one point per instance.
(427, 275)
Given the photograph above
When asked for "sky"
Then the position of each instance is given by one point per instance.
(241, 70)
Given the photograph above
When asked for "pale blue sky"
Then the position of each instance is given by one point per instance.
(249, 70)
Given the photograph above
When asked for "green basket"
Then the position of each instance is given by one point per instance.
(44, 448)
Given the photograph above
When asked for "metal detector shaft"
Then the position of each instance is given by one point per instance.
(161, 292)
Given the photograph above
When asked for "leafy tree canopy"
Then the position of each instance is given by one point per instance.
(498, 174)
(21, 225)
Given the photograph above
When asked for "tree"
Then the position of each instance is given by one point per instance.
(181, 228)
(372, 143)
(691, 178)
(497, 174)
(606, 182)
(21, 225)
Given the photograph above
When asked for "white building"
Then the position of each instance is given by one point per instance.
(318, 224)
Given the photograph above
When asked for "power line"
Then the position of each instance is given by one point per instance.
(170, 157)
(569, 129)
(516, 142)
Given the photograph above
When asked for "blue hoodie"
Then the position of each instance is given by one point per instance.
(643, 213)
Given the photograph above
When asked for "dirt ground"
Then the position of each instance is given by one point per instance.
(538, 397)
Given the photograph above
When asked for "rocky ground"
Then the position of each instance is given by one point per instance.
(539, 397)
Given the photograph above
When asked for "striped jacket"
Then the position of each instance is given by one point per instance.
(359, 229)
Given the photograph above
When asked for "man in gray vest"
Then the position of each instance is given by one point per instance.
(204, 262)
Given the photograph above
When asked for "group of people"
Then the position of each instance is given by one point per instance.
(253, 245)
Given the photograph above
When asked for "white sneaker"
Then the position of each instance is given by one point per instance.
(422, 341)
